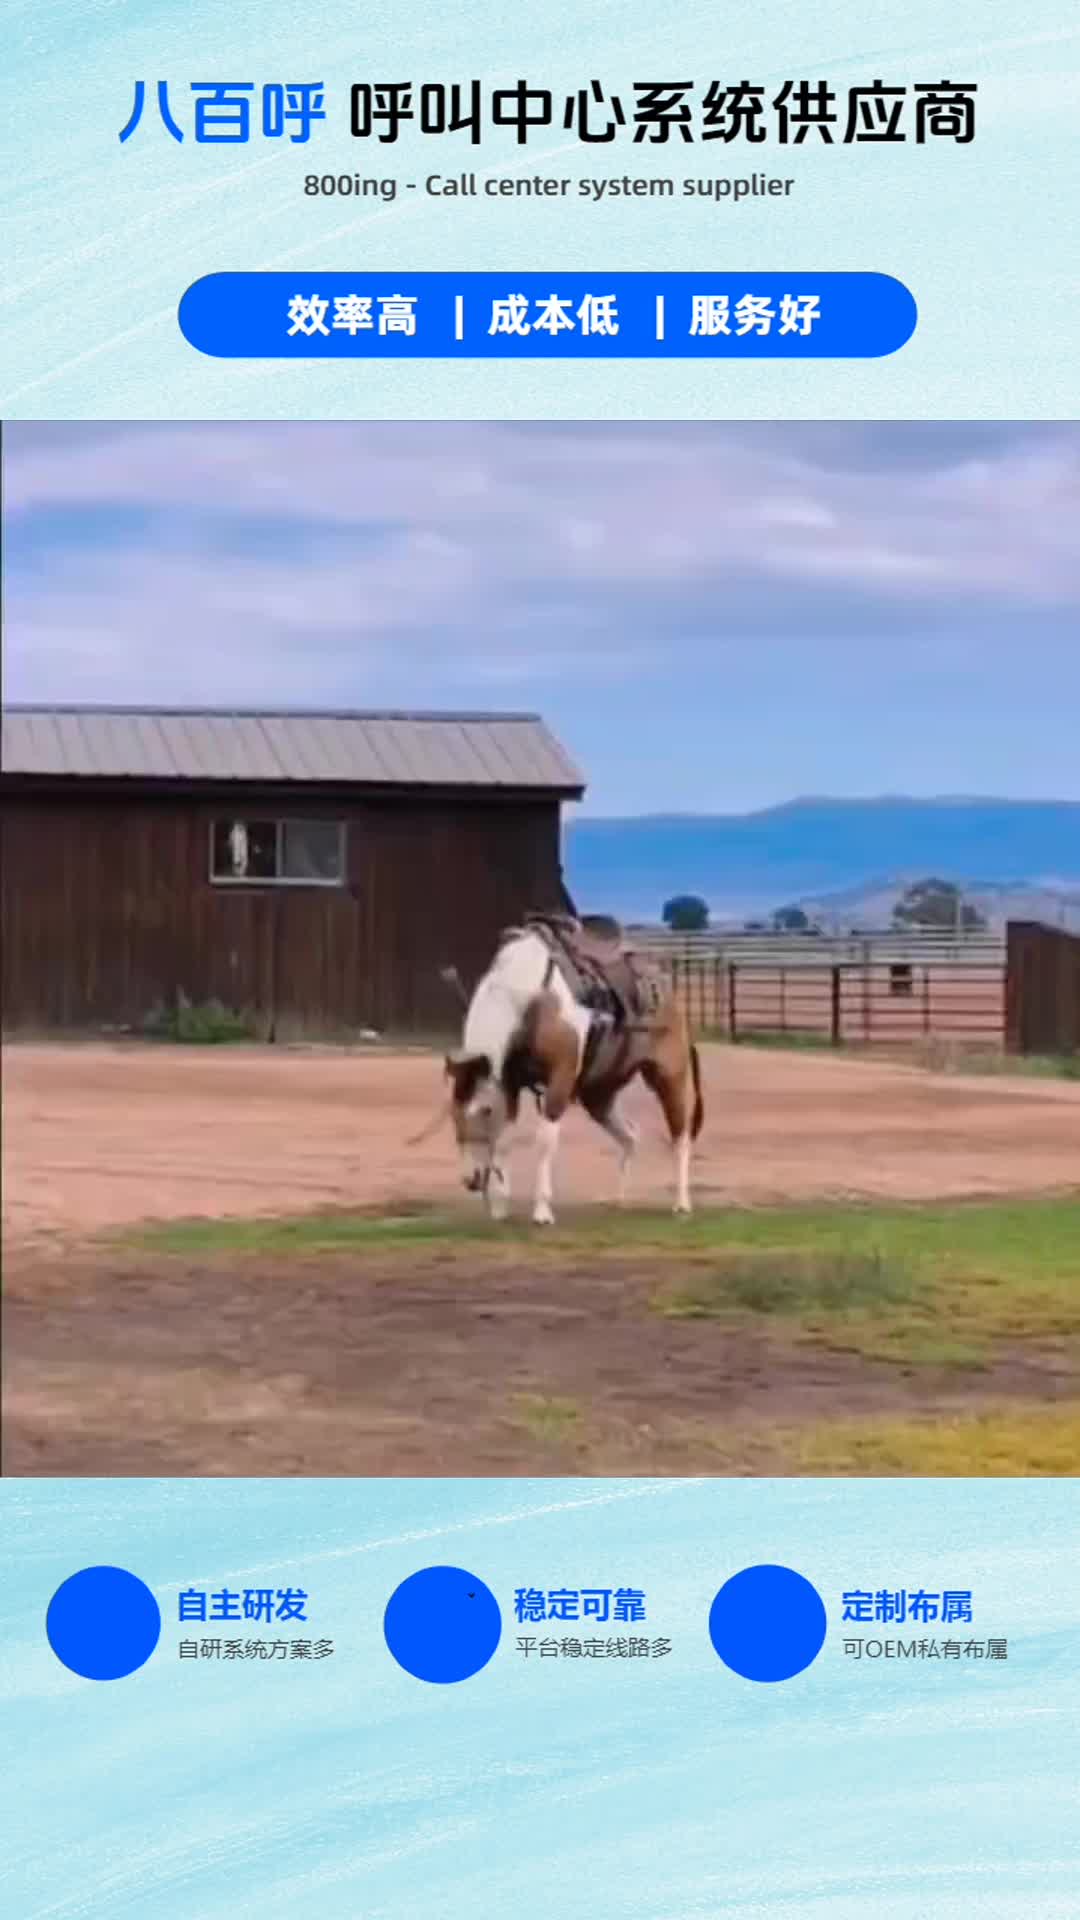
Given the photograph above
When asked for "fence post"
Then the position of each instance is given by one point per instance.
(926, 1000)
(1015, 957)
(834, 1021)
(733, 1029)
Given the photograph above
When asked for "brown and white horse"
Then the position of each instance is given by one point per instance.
(524, 1029)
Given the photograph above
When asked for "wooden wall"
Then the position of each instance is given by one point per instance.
(108, 907)
(1042, 1000)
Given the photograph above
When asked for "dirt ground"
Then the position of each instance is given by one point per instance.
(445, 1362)
(97, 1136)
(449, 1358)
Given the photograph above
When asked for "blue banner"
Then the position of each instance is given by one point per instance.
(642, 316)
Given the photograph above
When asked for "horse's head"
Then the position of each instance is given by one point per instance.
(478, 1112)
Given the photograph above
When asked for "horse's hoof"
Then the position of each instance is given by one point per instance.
(682, 1212)
(543, 1217)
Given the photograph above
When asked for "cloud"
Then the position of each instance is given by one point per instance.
(363, 562)
(595, 501)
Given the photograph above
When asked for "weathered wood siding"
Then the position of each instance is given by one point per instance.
(108, 907)
(1042, 1013)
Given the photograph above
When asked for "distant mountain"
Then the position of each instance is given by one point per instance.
(996, 901)
(814, 849)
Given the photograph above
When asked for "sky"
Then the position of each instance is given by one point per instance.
(713, 617)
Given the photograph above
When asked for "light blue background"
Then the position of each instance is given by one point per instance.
(100, 240)
(584, 1791)
(667, 1790)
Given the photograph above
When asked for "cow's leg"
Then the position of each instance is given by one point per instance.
(622, 1131)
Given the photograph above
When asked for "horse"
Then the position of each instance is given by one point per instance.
(525, 1030)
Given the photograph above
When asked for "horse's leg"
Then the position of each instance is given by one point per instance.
(681, 1147)
(673, 1090)
(558, 1093)
(547, 1134)
(622, 1131)
(498, 1189)
(496, 1174)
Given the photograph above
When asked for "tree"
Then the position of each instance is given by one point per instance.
(686, 913)
(791, 920)
(936, 904)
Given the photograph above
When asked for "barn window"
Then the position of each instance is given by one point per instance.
(282, 852)
(312, 850)
(901, 977)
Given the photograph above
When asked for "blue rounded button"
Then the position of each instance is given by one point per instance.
(605, 316)
(103, 1623)
(442, 1625)
(767, 1623)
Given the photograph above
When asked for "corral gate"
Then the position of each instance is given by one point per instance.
(1020, 991)
(883, 989)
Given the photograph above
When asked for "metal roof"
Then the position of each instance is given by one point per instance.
(183, 743)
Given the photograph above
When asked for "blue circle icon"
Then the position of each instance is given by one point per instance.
(103, 1623)
(767, 1623)
(442, 1624)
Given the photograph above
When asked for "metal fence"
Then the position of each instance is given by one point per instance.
(889, 990)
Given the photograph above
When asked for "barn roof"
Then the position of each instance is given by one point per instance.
(315, 748)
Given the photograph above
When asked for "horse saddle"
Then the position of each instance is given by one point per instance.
(603, 971)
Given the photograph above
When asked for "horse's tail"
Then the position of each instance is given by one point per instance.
(697, 1118)
(434, 1124)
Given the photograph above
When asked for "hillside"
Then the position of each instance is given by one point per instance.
(842, 854)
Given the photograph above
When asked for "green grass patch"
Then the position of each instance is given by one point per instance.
(551, 1420)
(312, 1233)
(786, 1281)
(201, 1024)
(921, 1287)
(917, 1286)
(938, 1054)
(1031, 1443)
(1024, 1440)
(919, 1349)
(1037, 1066)
(1012, 1236)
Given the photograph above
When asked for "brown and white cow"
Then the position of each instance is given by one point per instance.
(525, 1030)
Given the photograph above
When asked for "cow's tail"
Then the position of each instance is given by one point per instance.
(697, 1118)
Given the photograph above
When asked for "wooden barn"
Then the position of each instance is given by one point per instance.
(315, 869)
